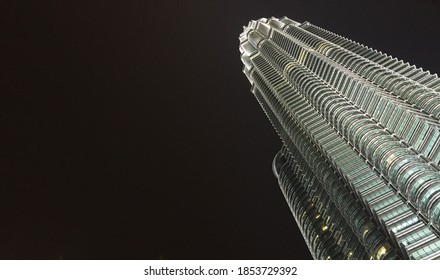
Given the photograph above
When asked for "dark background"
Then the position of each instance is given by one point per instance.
(129, 132)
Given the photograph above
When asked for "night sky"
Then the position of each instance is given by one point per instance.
(128, 130)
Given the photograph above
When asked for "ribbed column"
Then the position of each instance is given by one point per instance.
(323, 227)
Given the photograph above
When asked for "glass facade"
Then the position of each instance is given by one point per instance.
(359, 166)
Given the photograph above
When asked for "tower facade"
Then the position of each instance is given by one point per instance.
(360, 160)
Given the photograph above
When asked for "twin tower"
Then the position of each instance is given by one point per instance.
(360, 161)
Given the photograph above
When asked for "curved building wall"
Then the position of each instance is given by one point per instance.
(361, 140)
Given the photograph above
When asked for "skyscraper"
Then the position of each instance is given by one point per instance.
(360, 160)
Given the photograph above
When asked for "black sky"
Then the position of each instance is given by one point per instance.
(129, 132)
